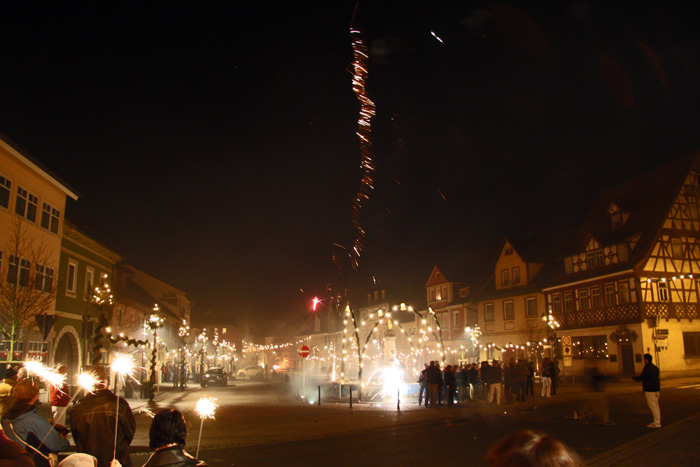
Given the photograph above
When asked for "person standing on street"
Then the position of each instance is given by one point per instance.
(93, 423)
(495, 382)
(423, 390)
(434, 379)
(651, 385)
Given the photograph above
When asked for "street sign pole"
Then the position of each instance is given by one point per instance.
(303, 353)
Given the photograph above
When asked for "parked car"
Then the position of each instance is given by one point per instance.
(251, 372)
(214, 375)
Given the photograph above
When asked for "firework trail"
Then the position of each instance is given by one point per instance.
(364, 133)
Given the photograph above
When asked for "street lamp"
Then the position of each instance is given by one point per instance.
(202, 338)
(184, 333)
(154, 323)
(552, 325)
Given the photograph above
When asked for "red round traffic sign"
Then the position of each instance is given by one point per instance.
(304, 351)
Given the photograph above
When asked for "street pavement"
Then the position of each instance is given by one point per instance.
(264, 413)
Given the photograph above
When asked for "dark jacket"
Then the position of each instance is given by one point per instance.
(495, 374)
(472, 375)
(649, 378)
(173, 456)
(32, 428)
(92, 423)
(449, 376)
(433, 375)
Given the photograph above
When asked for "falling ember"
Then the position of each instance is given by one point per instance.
(124, 365)
(88, 381)
(436, 37)
(206, 407)
(364, 132)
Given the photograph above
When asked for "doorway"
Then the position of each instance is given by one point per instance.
(627, 354)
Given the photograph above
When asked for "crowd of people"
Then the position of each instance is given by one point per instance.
(510, 382)
(101, 424)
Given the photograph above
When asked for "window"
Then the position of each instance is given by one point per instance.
(18, 272)
(556, 303)
(599, 258)
(508, 310)
(455, 319)
(677, 248)
(568, 301)
(590, 347)
(609, 290)
(5, 346)
(663, 291)
(5, 189)
(71, 279)
(624, 289)
(595, 297)
(583, 301)
(90, 282)
(516, 275)
(590, 259)
(505, 280)
(50, 217)
(438, 294)
(432, 295)
(509, 251)
(43, 279)
(120, 318)
(445, 295)
(37, 347)
(531, 307)
(691, 343)
(488, 312)
(26, 204)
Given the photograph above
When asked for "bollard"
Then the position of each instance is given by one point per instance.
(398, 400)
(319, 396)
(351, 396)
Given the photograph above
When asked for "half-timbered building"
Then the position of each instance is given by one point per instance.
(628, 284)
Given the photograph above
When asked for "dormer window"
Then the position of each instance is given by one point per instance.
(617, 217)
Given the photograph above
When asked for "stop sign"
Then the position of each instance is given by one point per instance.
(304, 351)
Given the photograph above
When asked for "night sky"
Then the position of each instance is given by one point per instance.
(214, 145)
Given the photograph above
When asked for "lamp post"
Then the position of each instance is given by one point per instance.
(202, 338)
(154, 323)
(184, 333)
(552, 325)
(101, 298)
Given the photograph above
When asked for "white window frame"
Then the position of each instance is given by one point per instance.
(491, 307)
(71, 277)
(516, 277)
(529, 300)
(505, 309)
(455, 319)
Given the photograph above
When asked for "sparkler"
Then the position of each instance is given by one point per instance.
(123, 366)
(205, 409)
(47, 374)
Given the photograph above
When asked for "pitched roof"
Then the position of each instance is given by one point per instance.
(647, 199)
